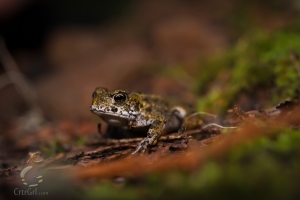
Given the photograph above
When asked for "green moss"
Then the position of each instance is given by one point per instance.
(261, 61)
(110, 191)
(80, 141)
(53, 147)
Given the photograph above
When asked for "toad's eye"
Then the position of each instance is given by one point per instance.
(94, 95)
(120, 98)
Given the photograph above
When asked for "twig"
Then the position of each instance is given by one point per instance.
(172, 136)
(217, 125)
(4, 80)
(14, 76)
(132, 140)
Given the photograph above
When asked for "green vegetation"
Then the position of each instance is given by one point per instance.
(262, 62)
(53, 147)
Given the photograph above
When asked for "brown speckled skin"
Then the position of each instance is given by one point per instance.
(132, 110)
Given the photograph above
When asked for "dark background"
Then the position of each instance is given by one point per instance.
(67, 48)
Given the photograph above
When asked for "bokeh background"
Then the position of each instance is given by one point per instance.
(67, 48)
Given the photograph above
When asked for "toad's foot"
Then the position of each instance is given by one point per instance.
(154, 132)
(144, 144)
(197, 120)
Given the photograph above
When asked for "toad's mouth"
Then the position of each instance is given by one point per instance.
(117, 112)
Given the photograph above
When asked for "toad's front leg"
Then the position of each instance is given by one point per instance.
(154, 132)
